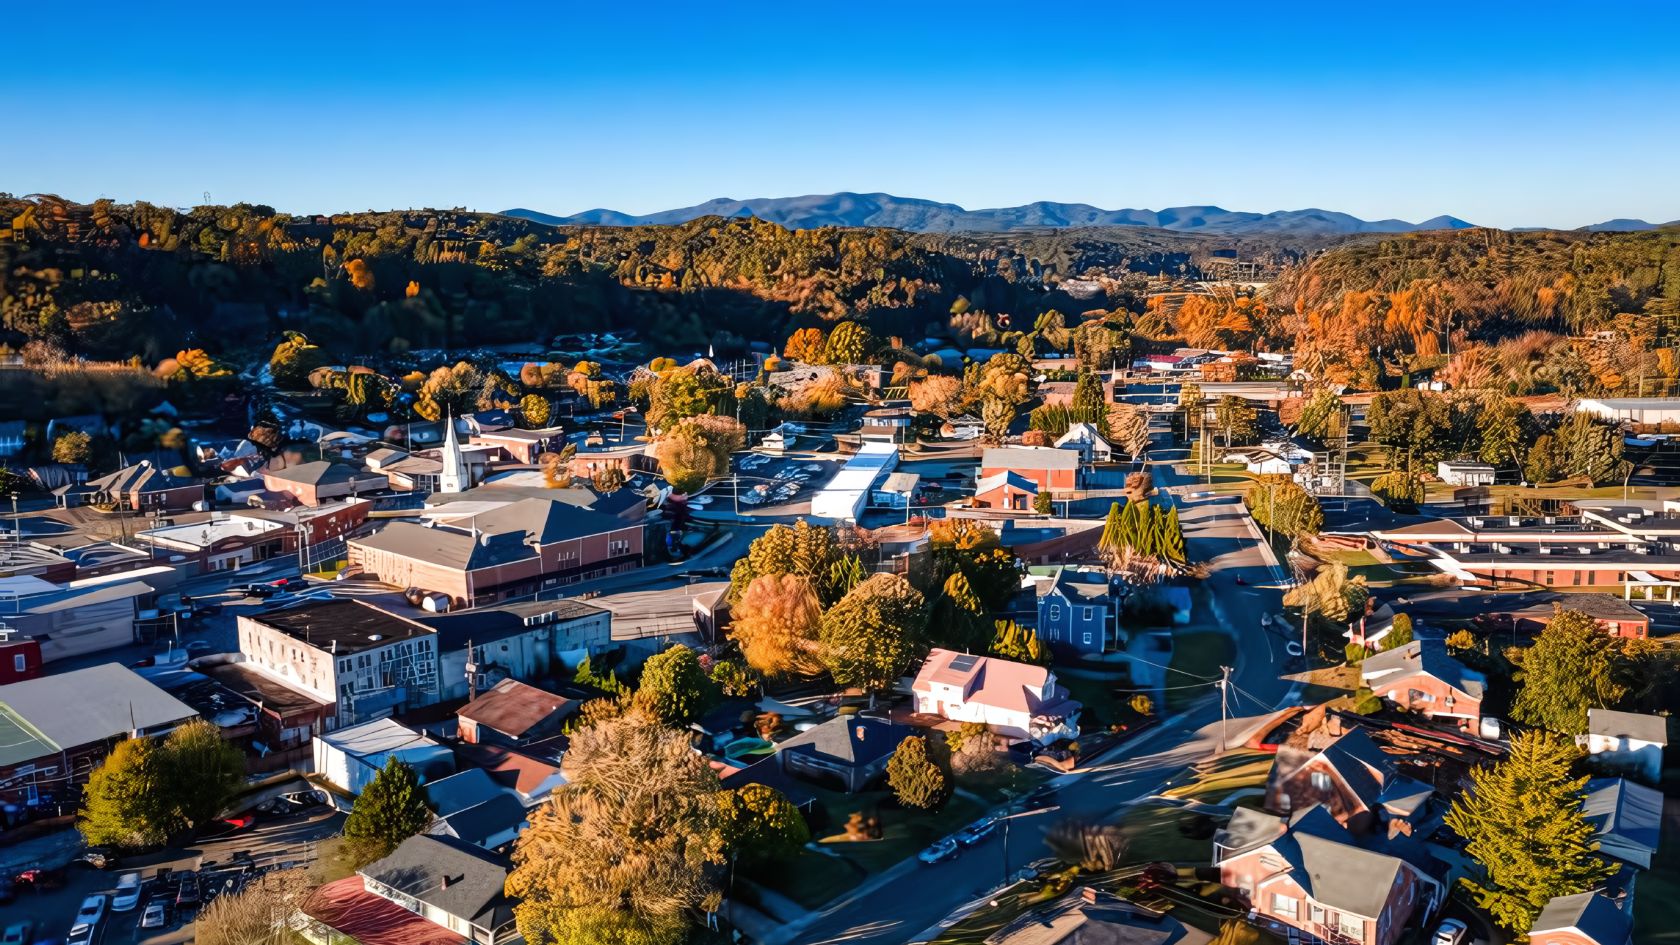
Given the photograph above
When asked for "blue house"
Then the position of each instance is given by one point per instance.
(1078, 611)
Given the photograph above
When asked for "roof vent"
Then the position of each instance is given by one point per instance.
(375, 637)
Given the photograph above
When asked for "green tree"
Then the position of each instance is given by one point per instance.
(915, 778)
(1524, 825)
(126, 802)
(534, 410)
(1399, 633)
(1282, 505)
(674, 687)
(760, 824)
(1043, 502)
(1572, 667)
(802, 549)
(1090, 403)
(1011, 641)
(587, 675)
(202, 772)
(996, 416)
(390, 809)
(1321, 416)
(870, 638)
(294, 357)
(1238, 421)
(74, 448)
(959, 618)
(1398, 489)
(849, 342)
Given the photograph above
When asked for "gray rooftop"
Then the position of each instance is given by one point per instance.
(1633, 725)
(1430, 658)
(1029, 457)
(42, 716)
(854, 740)
(1588, 913)
(450, 875)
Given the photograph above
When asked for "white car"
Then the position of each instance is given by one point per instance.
(92, 910)
(1450, 932)
(941, 850)
(127, 896)
(155, 916)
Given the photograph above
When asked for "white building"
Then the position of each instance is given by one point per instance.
(1093, 447)
(1640, 410)
(1016, 700)
(847, 494)
(350, 757)
(1464, 472)
(1627, 740)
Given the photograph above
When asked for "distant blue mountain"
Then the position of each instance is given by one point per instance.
(928, 216)
(1624, 225)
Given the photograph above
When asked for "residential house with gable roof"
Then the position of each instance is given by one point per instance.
(431, 890)
(1421, 677)
(1629, 741)
(848, 751)
(1310, 874)
(1078, 611)
(1018, 701)
(1351, 779)
(1582, 919)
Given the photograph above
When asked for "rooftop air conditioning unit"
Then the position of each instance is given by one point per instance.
(1584, 550)
(1516, 520)
(1545, 550)
(1551, 520)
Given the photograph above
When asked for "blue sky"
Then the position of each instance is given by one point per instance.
(1503, 114)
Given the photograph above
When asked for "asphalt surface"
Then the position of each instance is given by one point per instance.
(912, 898)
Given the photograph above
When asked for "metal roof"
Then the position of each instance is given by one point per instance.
(81, 707)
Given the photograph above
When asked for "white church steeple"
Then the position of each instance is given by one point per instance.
(454, 477)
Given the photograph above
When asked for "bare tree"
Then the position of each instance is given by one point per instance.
(259, 914)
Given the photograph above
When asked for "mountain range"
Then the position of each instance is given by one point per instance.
(928, 216)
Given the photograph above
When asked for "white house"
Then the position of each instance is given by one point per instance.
(1640, 410)
(1627, 740)
(350, 757)
(1464, 472)
(1016, 700)
(1092, 446)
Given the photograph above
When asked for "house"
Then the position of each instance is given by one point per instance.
(1532, 612)
(1640, 411)
(1350, 778)
(82, 616)
(1464, 472)
(1016, 700)
(1078, 611)
(1085, 439)
(1420, 677)
(314, 483)
(368, 662)
(1627, 818)
(1049, 468)
(521, 446)
(1628, 741)
(1582, 919)
(1309, 874)
(144, 487)
(530, 640)
(430, 891)
(531, 775)
(351, 757)
(514, 550)
(1092, 917)
(472, 807)
(850, 751)
(513, 713)
(50, 742)
(1006, 490)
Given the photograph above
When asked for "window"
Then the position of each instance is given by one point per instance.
(1284, 906)
(1087, 639)
(1418, 695)
(1351, 925)
(1086, 615)
(1055, 611)
(1320, 781)
(20, 663)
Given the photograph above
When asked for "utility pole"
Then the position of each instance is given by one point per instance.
(1224, 705)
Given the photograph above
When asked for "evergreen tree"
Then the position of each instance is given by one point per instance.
(1523, 822)
(1399, 634)
(959, 619)
(1572, 667)
(389, 810)
(916, 779)
(1043, 502)
(1172, 547)
(1113, 534)
(1090, 404)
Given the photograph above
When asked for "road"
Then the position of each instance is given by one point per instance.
(283, 838)
(888, 910)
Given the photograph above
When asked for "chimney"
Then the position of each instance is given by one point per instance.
(444, 883)
(862, 730)
(1089, 894)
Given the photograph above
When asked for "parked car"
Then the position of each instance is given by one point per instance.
(199, 646)
(187, 890)
(264, 591)
(100, 858)
(81, 934)
(92, 910)
(17, 933)
(156, 916)
(976, 832)
(39, 878)
(127, 896)
(941, 850)
(1450, 932)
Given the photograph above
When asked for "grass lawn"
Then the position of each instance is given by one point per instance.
(1158, 832)
(1197, 655)
(811, 878)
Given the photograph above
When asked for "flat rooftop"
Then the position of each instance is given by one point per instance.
(209, 533)
(342, 626)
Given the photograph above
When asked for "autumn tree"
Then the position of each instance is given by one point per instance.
(849, 342)
(915, 778)
(1237, 420)
(259, 913)
(996, 416)
(1523, 825)
(674, 687)
(629, 848)
(1332, 594)
(937, 394)
(1283, 505)
(1011, 641)
(1322, 416)
(1128, 429)
(759, 824)
(870, 638)
(202, 772)
(696, 450)
(805, 345)
(534, 410)
(959, 619)
(804, 549)
(125, 803)
(1570, 668)
(390, 809)
(74, 448)
(608, 480)
(294, 357)
(776, 623)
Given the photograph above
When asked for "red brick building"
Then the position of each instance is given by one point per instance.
(1420, 677)
(1046, 467)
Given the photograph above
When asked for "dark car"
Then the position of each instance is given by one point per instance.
(263, 591)
(100, 858)
(187, 891)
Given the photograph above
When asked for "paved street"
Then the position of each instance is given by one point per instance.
(912, 898)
